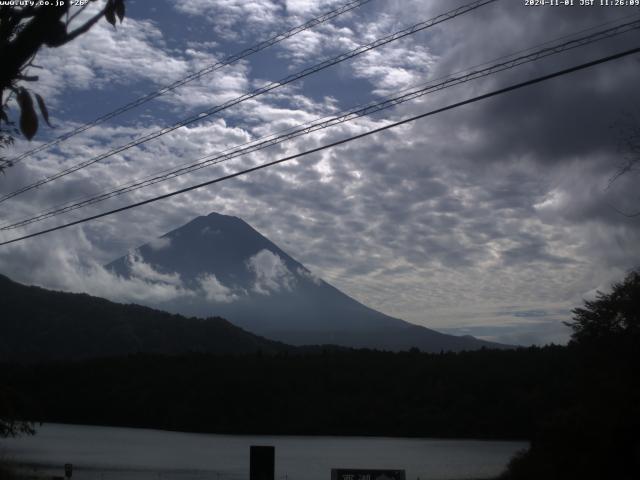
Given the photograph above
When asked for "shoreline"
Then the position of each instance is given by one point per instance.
(113, 453)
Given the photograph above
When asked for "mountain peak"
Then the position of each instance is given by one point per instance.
(213, 219)
(217, 216)
(222, 266)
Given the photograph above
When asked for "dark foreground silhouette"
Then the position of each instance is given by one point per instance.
(597, 434)
(491, 394)
(579, 405)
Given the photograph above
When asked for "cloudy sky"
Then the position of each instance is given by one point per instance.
(494, 219)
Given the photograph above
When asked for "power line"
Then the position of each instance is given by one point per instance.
(345, 116)
(335, 144)
(260, 91)
(511, 56)
(271, 86)
(194, 76)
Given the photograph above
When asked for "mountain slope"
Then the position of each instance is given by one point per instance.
(233, 271)
(39, 324)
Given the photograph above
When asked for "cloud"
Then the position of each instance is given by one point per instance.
(308, 7)
(144, 271)
(146, 286)
(323, 41)
(159, 243)
(232, 18)
(271, 274)
(396, 67)
(522, 334)
(214, 290)
(70, 263)
(105, 57)
(304, 273)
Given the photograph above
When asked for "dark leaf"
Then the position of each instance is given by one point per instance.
(119, 9)
(43, 109)
(3, 116)
(110, 12)
(28, 117)
(56, 34)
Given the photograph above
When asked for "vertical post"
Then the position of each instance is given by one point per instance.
(68, 470)
(262, 462)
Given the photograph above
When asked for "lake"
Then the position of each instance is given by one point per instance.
(107, 453)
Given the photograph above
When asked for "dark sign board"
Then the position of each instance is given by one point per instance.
(262, 462)
(366, 474)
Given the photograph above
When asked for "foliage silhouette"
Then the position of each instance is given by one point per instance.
(24, 30)
(598, 434)
(612, 317)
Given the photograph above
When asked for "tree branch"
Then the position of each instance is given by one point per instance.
(85, 28)
(28, 78)
(624, 214)
(25, 12)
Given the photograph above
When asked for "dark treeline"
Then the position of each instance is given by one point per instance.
(488, 394)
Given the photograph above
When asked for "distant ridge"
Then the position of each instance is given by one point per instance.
(43, 325)
(260, 288)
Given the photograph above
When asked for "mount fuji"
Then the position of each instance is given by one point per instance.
(221, 266)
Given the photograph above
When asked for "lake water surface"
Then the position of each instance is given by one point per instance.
(107, 453)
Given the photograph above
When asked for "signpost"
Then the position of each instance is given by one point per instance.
(262, 462)
(366, 474)
(68, 470)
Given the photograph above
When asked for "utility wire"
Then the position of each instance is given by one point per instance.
(205, 161)
(194, 76)
(494, 93)
(345, 116)
(260, 91)
(123, 185)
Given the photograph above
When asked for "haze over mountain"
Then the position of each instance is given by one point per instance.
(221, 266)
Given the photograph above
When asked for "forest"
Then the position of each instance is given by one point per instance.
(487, 394)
